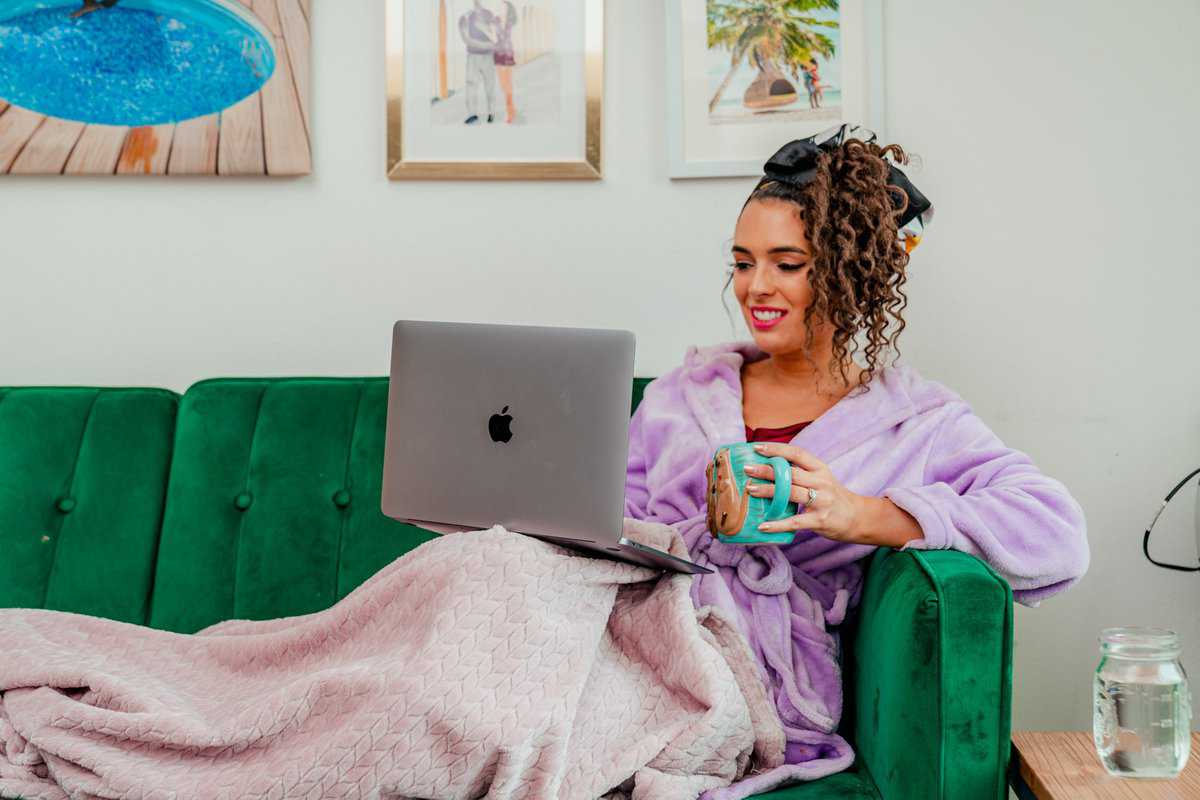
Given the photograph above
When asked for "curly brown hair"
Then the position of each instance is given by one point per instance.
(858, 268)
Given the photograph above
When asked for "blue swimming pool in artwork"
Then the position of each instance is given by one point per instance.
(138, 62)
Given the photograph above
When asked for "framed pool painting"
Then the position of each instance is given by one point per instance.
(155, 87)
(744, 77)
(495, 89)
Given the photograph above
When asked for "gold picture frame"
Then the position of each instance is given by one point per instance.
(587, 168)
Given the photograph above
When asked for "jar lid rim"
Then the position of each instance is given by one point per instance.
(1135, 642)
(1132, 634)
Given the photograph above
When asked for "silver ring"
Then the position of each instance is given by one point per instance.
(812, 496)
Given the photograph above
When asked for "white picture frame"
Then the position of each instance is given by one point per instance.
(698, 148)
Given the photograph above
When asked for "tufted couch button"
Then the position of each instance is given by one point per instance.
(341, 498)
(66, 505)
(243, 501)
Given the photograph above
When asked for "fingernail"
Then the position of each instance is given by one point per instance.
(766, 526)
(759, 448)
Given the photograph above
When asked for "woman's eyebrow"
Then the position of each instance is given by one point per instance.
(737, 248)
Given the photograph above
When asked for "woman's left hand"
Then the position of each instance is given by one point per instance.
(836, 513)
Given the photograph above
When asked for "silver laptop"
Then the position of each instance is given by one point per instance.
(517, 425)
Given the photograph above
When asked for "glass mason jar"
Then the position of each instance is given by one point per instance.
(1143, 715)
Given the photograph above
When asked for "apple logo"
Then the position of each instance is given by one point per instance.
(498, 426)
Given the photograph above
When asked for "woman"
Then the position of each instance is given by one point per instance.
(881, 457)
(809, 83)
(93, 5)
(817, 91)
(505, 58)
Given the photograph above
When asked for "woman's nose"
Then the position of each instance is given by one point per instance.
(760, 282)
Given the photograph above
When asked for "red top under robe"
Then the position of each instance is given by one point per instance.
(784, 435)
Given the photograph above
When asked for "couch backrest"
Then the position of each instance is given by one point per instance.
(83, 473)
(273, 507)
(273, 502)
(247, 498)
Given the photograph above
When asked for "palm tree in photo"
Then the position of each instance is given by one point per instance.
(769, 33)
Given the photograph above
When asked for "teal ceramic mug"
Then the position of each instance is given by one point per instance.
(733, 513)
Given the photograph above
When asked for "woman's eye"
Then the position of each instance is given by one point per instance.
(741, 265)
(791, 267)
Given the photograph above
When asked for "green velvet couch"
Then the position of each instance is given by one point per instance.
(259, 498)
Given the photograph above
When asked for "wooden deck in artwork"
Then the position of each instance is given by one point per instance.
(265, 134)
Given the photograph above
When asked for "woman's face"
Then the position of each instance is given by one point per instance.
(772, 261)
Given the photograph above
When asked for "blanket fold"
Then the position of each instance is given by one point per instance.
(481, 664)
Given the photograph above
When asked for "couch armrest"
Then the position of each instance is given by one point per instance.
(931, 671)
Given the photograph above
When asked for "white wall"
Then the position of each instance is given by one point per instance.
(1057, 290)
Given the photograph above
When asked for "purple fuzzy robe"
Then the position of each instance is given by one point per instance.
(909, 439)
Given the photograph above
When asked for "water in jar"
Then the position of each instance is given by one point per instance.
(1142, 720)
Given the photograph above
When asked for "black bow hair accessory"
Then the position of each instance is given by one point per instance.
(796, 163)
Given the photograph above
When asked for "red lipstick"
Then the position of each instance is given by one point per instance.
(774, 316)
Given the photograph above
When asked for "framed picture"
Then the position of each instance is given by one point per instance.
(155, 87)
(497, 89)
(745, 76)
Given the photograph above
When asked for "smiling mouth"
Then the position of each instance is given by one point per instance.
(766, 315)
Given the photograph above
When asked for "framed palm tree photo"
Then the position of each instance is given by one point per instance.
(746, 76)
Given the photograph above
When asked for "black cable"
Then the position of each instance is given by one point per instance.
(1146, 538)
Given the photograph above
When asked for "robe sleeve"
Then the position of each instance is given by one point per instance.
(637, 494)
(989, 500)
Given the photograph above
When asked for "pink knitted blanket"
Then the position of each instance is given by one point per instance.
(479, 664)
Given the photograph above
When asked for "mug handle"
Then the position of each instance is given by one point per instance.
(783, 487)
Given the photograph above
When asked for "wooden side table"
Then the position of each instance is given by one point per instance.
(1063, 765)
